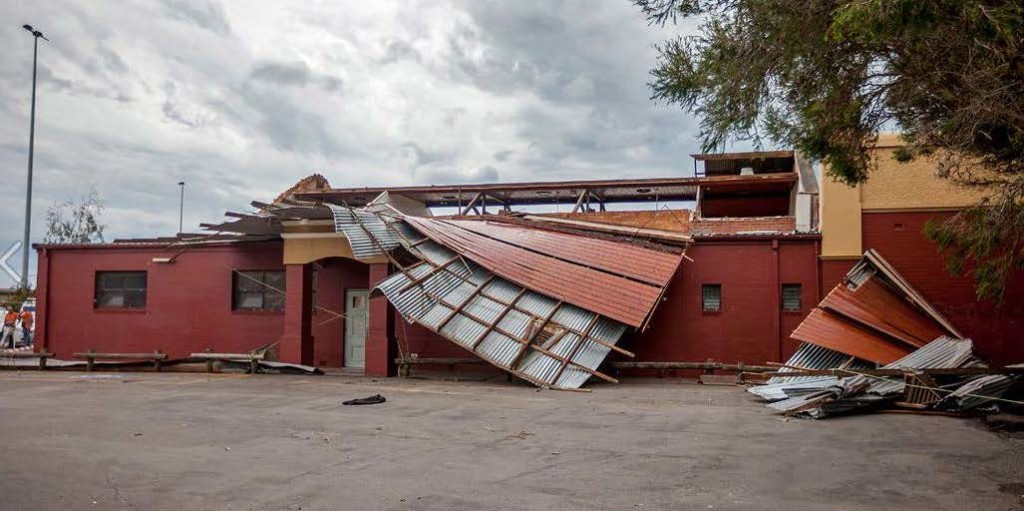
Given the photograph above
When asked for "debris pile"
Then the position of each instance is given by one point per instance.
(874, 342)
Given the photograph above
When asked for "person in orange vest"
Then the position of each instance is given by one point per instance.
(27, 320)
(10, 318)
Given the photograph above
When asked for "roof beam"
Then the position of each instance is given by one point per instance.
(471, 204)
(579, 201)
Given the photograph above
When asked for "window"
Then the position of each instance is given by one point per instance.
(712, 297)
(791, 298)
(120, 290)
(258, 290)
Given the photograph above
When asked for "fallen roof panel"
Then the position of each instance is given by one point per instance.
(874, 305)
(831, 331)
(874, 315)
(572, 281)
(542, 340)
(651, 267)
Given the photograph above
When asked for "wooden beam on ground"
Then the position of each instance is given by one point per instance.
(696, 365)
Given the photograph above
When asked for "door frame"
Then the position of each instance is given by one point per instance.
(346, 361)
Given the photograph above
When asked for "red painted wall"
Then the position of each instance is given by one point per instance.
(188, 305)
(751, 327)
(333, 278)
(996, 331)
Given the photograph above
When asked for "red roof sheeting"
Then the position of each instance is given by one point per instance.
(873, 315)
(616, 280)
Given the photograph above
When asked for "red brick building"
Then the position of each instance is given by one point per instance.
(754, 267)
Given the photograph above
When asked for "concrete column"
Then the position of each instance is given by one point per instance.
(297, 341)
(380, 336)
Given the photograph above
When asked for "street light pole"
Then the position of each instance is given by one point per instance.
(181, 207)
(31, 153)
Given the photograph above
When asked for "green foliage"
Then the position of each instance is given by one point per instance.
(826, 76)
(76, 222)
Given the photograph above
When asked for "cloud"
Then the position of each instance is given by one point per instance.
(294, 74)
(240, 101)
(205, 15)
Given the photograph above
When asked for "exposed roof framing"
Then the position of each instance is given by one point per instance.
(563, 192)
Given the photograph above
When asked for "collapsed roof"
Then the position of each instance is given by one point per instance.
(874, 315)
(544, 300)
(876, 318)
(546, 306)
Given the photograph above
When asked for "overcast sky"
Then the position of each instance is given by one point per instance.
(240, 101)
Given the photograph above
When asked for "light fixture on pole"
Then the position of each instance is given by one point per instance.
(181, 207)
(31, 152)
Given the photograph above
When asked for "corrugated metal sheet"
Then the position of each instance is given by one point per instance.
(830, 331)
(655, 268)
(862, 391)
(942, 352)
(501, 321)
(807, 356)
(977, 392)
(874, 262)
(874, 315)
(877, 305)
(569, 278)
(367, 232)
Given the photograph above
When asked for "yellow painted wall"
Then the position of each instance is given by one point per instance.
(891, 185)
(307, 250)
(913, 185)
(840, 219)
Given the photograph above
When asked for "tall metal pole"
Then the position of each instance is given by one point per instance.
(31, 153)
(181, 207)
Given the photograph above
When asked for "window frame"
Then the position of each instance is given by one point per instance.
(704, 299)
(101, 290)
(257, 288)
(799, 297)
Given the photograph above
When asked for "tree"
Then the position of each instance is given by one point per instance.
(76, 222)
(826, 76)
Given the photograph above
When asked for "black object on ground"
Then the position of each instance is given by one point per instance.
(372, 400)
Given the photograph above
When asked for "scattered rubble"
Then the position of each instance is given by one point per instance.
(875, 318)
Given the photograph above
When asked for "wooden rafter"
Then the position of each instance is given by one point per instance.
(494, 325)
(575, 349)
(471, 204)
(533, 335)
(579, 201)
(415, 282)
(464, 303)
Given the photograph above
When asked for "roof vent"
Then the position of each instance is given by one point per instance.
(643, 190)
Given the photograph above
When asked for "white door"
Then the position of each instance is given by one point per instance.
(356, 318)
